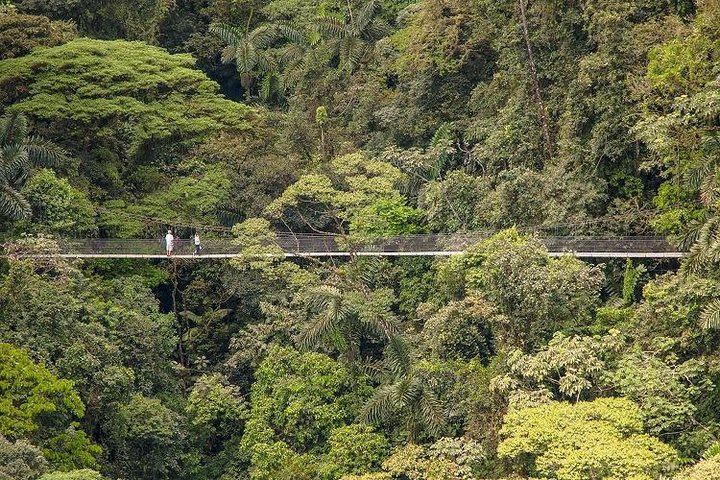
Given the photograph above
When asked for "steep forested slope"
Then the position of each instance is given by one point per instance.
(236, 120)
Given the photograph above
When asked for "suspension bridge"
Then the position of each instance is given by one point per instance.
(327, 245)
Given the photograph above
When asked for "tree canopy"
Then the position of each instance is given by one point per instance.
(495, 125)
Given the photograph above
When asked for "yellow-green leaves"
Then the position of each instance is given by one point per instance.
(354, 193)
(119, 92)
(602, 440)
(29, 393)
(708, 469)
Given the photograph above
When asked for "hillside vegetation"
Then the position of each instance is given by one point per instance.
(362, 118)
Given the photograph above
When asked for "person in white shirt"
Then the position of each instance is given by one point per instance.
(198, 247)
(169, 241)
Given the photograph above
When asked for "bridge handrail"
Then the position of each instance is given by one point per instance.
(319, 243)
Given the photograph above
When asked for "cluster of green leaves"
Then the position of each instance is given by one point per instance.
(371, 118)
(37, 405)
(599, 439)
(533, 294)
(108, 338)
(298, 403)
(122, 19)
(20, 34)
(353, 194)
(99, 86)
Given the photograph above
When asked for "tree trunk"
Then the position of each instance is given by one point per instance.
(537, 94)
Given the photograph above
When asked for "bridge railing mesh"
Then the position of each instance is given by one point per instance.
(328, 244)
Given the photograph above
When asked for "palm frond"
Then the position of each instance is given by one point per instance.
(264, 63)
(376, 30)
(270, 86)
(700, 255)
(397, 356)
(410, 390)
(13, 205)
(332, 27)
(432, 412)
(381, 405)
(710, 145)
(694, 260)
(264, 36)
(372, 368)
(228, 54)
(378, 324)
(291, 76)
(708, 189)
(695, 177)
(246, 58)
(15, 164)
(229, 34)
(352, 52)
(712, 243)
(364, 16)
(43, 152)
(323, 296)
(293, 34)
(291, 56)
(690, 235)
(13, 129)
(372, 268)
(329, 320)
(710, 316)
(320, 327)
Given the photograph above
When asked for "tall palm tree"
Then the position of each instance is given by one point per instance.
(19, 153)
(405, 395)
(336, 319)
(353, 35)
(702, 237)
(295, 54)
(248, 49)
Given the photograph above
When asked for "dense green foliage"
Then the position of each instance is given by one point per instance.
(601, 439)
(363, 119)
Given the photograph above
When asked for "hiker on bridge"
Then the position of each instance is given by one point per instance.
(198, 245)
(169, 243)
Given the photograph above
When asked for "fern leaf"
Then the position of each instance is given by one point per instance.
(713, 451)
(442, 135)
